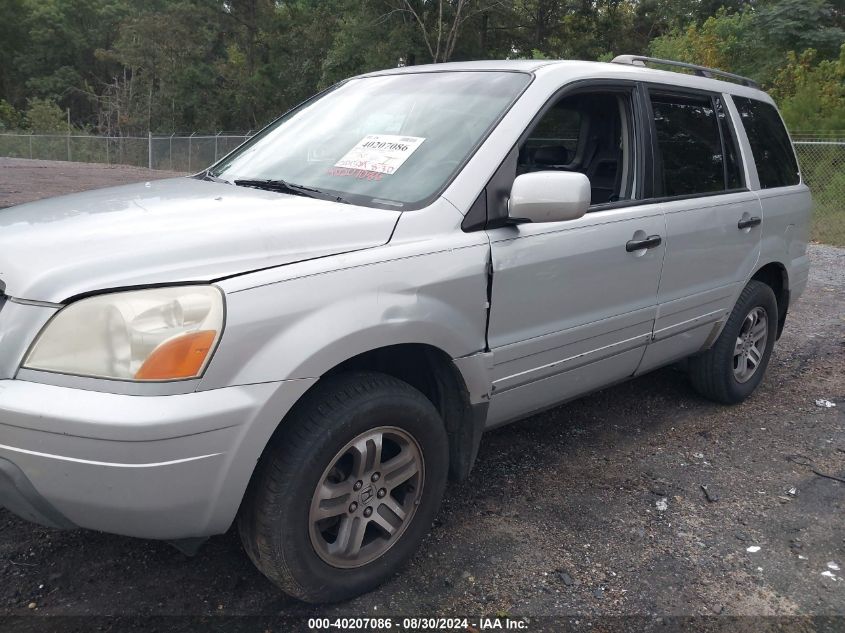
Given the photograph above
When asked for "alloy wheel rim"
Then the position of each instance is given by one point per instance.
(366, 497)
(750, 344)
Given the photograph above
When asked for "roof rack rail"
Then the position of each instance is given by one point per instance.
(701, 71)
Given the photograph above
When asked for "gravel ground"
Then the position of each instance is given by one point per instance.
(594, 508)
(26, 180)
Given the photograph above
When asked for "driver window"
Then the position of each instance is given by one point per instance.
(589, 133)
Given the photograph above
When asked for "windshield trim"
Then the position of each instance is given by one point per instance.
(376, 203)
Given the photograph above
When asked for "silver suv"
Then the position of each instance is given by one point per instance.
(311, 337)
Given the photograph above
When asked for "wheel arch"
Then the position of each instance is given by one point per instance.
(775, 275)
(430, 370)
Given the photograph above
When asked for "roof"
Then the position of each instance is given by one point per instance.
(519, 65)
(568, 69)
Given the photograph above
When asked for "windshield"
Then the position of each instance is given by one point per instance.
(390, 141)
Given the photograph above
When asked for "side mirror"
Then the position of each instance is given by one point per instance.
(549, 196)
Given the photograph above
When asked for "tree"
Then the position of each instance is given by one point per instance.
(43, 115)
(58, 58)
(124, 66)
(797, 25)
(10, 118)
(391, 40)
(812, 93)
(755, 41)
(728, 41)
(166, 71)
(12, 40)
(440, 22)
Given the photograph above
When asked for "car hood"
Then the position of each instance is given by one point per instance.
(175, 230)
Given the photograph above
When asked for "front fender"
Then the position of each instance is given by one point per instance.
(303, 327)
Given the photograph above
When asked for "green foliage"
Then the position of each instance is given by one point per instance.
(347, 56)
(167, 76)
(726, 40)
(125, 67)
(10, 119)
(43, 115)
(755, 41)
(796, 25)
(761, 42)
(57, 58)
(812, 95)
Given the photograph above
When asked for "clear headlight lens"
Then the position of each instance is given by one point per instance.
(156, 334)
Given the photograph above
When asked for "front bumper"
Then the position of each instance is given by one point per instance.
(163, 467)
(19, 496)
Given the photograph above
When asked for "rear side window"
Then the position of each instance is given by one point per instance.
(689, 143)
(770, 145)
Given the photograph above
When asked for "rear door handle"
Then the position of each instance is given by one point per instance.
(652, 241)
(747, 224)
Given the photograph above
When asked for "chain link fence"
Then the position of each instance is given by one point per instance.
(822, 159)
(823, 168)
(173, 153)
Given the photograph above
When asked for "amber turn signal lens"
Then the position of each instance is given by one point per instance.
(181, 357)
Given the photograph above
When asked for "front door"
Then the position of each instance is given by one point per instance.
(573, 303)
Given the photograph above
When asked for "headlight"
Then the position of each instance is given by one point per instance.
(156, 334)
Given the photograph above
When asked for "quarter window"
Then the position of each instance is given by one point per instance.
(770, 144)
(689, 144)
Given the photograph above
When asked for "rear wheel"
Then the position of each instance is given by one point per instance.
(348, 488)
(730, 370)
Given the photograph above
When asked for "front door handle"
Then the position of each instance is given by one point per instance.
(652, 241)
(748, 223)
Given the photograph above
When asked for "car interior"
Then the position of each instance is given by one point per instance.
(588, 133)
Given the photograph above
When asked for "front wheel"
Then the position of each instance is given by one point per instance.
(730, 370)
(348, 488)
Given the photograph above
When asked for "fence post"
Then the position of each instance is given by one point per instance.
(215, 146)
(68, 134)
(108, 156)
(30, 145)
(190, 140)
(171, 151)
(149, 149)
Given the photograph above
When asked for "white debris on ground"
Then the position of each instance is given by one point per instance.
(827, 404)
(662, 504)
(833, 566)
(753, 549)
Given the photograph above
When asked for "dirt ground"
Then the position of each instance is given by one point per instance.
(26, 180)
(594, 508)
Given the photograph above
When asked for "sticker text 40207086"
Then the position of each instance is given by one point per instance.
(380, 153)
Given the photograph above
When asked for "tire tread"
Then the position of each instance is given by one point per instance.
(706, 371)
(286, 455)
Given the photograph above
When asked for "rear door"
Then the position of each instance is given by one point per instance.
(713, 231)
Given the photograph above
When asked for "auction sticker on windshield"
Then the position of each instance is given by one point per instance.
(380, 153)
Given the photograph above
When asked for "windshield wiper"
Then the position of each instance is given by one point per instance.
(207, 175)
(282, 186)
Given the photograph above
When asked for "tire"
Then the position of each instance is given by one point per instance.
(297, 523)
(718, 373)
